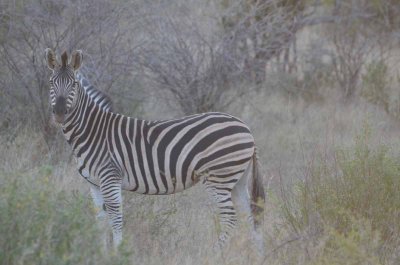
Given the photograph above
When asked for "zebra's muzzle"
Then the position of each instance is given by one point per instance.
(60, 109)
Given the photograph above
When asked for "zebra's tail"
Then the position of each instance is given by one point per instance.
(257, 193)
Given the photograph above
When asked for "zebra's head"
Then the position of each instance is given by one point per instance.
(63, 82)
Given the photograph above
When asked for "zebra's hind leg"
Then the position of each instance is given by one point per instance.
(220, 191)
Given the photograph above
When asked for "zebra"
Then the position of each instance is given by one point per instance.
(115, 152)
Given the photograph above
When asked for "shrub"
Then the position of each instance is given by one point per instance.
(376, 83)
(40, 225)
(351, 206)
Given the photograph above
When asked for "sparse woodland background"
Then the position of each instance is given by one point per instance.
(318, 81)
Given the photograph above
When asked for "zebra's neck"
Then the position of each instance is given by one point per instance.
(84, 113)
(99, 97)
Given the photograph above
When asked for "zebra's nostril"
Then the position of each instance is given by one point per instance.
(54, 111)
(66, 112)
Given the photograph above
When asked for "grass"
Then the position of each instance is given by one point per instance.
(332, 198)
(40, 225)
(349, 206)
(45, 217)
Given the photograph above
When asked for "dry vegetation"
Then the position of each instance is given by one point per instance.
(317, 81)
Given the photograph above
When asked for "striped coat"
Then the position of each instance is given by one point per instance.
(116, 152)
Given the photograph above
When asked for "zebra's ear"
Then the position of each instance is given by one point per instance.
(51, 59)
(76, 59)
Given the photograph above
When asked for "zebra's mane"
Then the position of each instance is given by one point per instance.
(99, 97)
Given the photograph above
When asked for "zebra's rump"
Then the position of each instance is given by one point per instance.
(169, 156)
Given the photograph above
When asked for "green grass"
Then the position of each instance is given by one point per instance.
(350, 206)
(40, 225)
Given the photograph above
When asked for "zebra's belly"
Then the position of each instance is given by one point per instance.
(156, 186)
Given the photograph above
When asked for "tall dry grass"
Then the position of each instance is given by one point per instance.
(331, 183)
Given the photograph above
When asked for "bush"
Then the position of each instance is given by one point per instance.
(40, 225)
(350, 207)
(376, 83)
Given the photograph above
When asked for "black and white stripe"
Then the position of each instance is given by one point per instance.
(99, 97)
(63, 84)
(116, 152)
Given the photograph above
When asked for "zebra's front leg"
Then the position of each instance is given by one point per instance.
(110, 189)
(98, 202)
(100, 213)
